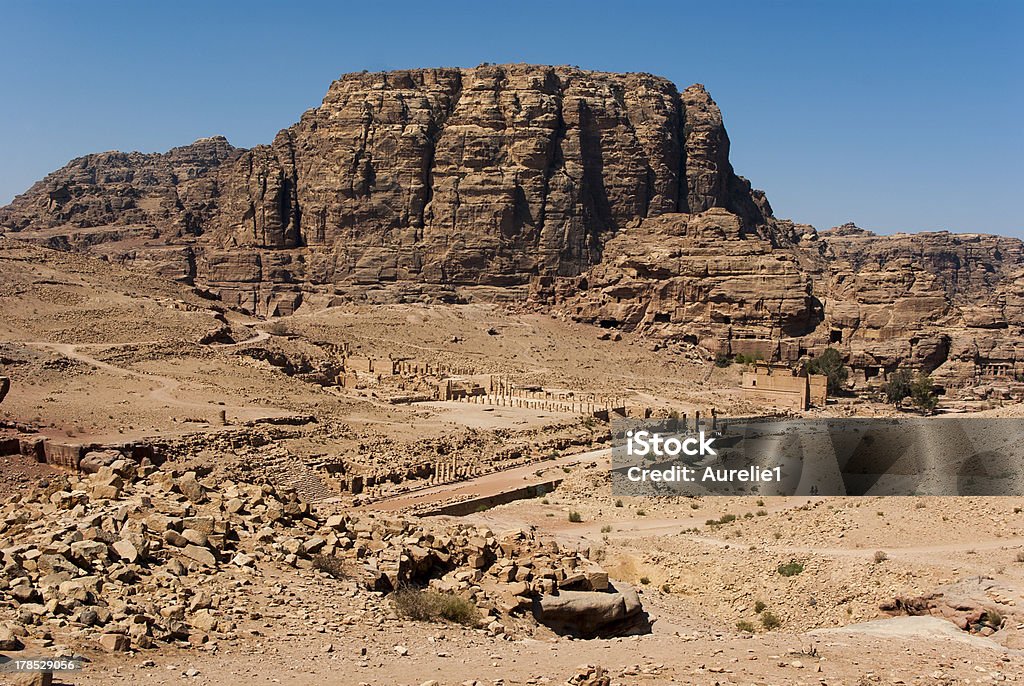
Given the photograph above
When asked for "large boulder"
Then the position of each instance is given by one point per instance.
(978, 605)
(5, 385)
(594, 614)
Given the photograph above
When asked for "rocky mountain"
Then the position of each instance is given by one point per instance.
(446, 177)
(609, 197)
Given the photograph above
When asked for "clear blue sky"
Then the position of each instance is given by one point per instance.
(895, 115)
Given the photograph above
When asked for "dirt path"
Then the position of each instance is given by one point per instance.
(257, 337)
(166, 388)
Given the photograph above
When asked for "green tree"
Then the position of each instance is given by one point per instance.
(922, 392)
(830, 364)
(898, 386)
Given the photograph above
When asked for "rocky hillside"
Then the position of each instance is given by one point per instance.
(175, 191)
(609, 197)
(940, 302)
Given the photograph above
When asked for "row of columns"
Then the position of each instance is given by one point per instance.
(533, 404)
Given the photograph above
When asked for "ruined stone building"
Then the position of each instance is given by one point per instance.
(780, 387)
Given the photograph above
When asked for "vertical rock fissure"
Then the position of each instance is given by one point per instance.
(439, 123)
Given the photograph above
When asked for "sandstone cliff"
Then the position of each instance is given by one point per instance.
(451, 177)
(940, 302)
(174, 191)
(608, 197)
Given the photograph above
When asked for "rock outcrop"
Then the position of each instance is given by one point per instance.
(948, 304)
(173, 193)
(608, 197)
(978, 605)
(952, 304)
(5, 386)
(615, 612)
(696, 278)
(440, 177)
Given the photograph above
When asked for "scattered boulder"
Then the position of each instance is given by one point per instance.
(94, 460)
(591, 614)
(589, 675)
(200, 554)
(115, 643)
(9, 641)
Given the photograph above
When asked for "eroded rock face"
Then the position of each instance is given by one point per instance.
(174, 192)
(444, 177)
(948, 304)
(698, 278)
(609, 197)
(937, 301)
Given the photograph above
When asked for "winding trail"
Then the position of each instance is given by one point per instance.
(167, 389)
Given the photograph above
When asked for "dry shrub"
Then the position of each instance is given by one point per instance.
(770, 621)
(332, 565)
(431, 606)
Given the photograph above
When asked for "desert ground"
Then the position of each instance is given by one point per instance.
(257, 439)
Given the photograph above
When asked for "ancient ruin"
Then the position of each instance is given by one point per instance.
(779, 386)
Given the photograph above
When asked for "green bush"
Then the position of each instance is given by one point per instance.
(898, 386)
(725, 519)
(922, 393)
(744, 625)
(759, 607)
(791, 568)
(830, 364)
(575, 517)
